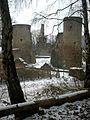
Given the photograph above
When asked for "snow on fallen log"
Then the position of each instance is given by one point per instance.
(71, 97)
(33, 107)
(21, 107)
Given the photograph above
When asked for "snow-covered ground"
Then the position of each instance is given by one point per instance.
(42, 89)
(79, 110)
(40, 62)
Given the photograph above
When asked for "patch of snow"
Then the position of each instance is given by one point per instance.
(39, 56)
(15, 49)
(84, 65)
(33, 91)
(43, 89)
(79, 110)
(40, 62)
(79, 68)
(24, 63)
(73, 94)
(22, 60)
(0, 50)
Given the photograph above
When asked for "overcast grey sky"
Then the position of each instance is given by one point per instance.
(25, 15)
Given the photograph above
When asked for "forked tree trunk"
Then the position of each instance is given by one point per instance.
(87, 38)
(13, 84)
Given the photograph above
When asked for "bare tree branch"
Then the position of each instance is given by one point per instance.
(76, 12)
(45, 17)
(49, 6)
(62, 9)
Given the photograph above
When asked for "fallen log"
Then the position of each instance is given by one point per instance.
(33, 107)
(25, 108)
(71, 97)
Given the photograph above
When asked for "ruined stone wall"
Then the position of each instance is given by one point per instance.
(67, 51)
(57, 52)
(22, 40)
(72, 54)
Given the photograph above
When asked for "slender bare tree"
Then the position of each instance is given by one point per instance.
(14, 88)
(87, 38)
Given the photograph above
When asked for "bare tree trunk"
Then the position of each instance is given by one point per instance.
(87, 38)
(14, 88)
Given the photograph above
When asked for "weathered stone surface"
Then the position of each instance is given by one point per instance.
(77, 72)
(57, 52)
(67, 51)
(23, 41)
(72, 42)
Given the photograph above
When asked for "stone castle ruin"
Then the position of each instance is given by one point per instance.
(67, 51)
(42, 47)
(22, 43)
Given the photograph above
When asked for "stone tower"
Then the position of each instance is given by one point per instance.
(67, 51)
(72, 35)
(41, 43)
(42, 40)
(22, 42)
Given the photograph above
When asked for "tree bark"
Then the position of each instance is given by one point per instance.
(13, 84)
(87, 38)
